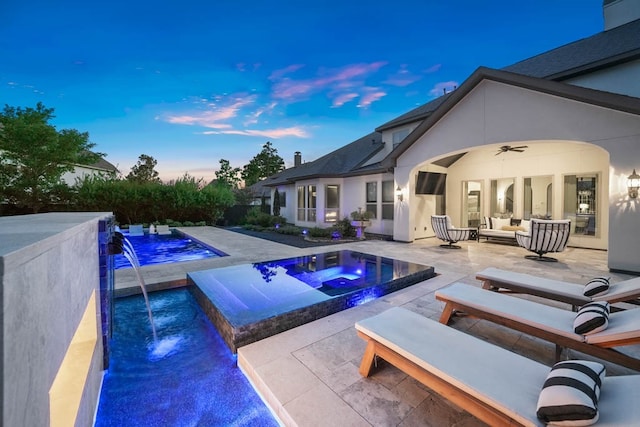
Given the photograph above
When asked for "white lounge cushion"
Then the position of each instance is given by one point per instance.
(596, 287)
(498, 223)
(526, 224)
(570, 393)
(592, 318)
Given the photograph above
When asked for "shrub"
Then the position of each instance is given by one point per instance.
(290, 230)
(345, 228)
(319, 232)
(188, 224)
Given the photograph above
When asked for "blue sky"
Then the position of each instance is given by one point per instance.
(192, 82)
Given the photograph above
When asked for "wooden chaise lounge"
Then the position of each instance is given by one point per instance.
(570, 293)
(495, 385)
(552, 324)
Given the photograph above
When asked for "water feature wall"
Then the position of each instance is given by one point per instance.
(51, 345)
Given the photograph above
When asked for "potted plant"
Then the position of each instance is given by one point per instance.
(360, 220)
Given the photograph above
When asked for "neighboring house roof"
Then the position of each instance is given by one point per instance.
(345, 161)
(607, 48)
(600, 98)
(103, 164)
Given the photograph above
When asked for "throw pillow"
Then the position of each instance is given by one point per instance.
(512, 228)
(498, 223)
(591, 318)
(570, 393)
(525, 223)
(596, 287)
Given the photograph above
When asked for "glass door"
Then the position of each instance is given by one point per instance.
(471, 204)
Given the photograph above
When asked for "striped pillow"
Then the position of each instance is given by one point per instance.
(596, 287)
(570, 393)
(591, 318)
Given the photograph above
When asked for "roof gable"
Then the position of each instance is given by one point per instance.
(590, 96)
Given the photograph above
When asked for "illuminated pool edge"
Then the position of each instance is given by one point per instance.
(236, 336)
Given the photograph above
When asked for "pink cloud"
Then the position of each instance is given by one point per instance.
(443, 87)
(278, 74)
(296, 131)
(371, 97)
(403, 77)
(291, 90)
(216, 117)
(341, 99)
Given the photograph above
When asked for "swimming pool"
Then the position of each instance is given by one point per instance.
(187, 377)
(250, 302)
(154, 249)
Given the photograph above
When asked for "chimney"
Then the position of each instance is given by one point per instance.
(619, 12)
(297, 159)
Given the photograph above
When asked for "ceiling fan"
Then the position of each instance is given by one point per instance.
(506, 148)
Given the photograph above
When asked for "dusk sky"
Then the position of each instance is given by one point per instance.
(192, 82)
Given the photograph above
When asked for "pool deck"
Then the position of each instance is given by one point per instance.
(309, 375)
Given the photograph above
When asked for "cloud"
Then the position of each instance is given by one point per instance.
(373, 95)
(296, 131)
(443, 87)
(403, 77)
(350, 76)
(278, 74)
(216, 118)
(341, 99)
(433, 68)
(252, 118)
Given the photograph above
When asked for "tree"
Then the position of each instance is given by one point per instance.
(144, 170)
(227, 176)
(276, 203)
(34, 156)
(263, 165)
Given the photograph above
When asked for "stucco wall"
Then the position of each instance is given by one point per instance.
(496, 114)
(619, 79)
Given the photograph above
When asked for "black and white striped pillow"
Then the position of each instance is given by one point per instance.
(591, 318)
(596, 287)
(570, 393)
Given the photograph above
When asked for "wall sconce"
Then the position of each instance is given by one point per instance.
(633, 183)
(399, 194)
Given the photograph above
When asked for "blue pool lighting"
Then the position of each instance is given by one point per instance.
(250, 302)
(187, 377)
(155, 249)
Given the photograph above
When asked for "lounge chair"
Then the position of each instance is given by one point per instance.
(552, 324)
(545, 236)
(445, 231)
(495, 385)
(163, 229)
(570, 293)
(136, 230)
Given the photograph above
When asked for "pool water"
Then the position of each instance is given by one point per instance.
(154, 249)
(188, 377)
(250, 302)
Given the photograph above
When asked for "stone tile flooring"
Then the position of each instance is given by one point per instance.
(309, 375)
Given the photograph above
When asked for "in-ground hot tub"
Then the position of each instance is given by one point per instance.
(250, 302)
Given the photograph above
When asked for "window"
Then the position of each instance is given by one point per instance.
(580, 203)
(307, 203)
(283, 199)
(538, 197)
(332, 203)
(399, 136)
(387, 199)
(501, 205)
(372, 199)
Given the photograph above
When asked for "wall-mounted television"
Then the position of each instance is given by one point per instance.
(431, 183)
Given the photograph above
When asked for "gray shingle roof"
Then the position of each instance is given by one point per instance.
(618, 44)
(341, 162)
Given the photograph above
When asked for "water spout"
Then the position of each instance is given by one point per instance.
(130, 254)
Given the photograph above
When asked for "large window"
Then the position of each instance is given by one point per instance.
(307, 203)
(387, 199)
(580, 203)
(399, 136)
(332, 203)
(501, 203)
(538, 197)
(372, 199)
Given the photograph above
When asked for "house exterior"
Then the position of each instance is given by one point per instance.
(79, 172)
(553, 136)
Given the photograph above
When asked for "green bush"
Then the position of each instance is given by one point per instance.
(319, 232)
(188, 224)
(345, 228)
(290, 230)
